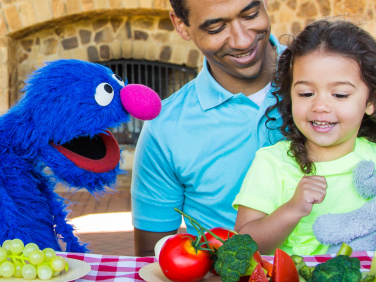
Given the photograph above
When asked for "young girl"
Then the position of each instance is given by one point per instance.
(326, 89)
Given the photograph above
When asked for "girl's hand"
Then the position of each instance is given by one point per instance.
(310, 190)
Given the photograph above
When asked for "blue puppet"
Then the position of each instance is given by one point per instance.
(356, 228)
(58, 133)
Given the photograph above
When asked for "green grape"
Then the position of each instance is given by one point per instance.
(29, 272)
(30, 247)
(6, 244)
(18, 269)
(56, 273)
(16, 246)
(7, 269)
(49, 254)
(57, 263)
(3, 254)
(36, 257)
(44, 272)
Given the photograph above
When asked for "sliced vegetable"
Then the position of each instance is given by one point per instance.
(258, 275)
(267, 266)
(345, 250)
(284, 269)
(304, 271)
(257, 257)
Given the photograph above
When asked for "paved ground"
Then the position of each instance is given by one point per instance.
(104, 222)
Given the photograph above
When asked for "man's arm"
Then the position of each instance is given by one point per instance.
(144, 241)
(155, 192)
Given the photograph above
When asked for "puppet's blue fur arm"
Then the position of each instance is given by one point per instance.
(24, 212)
(62, 227)
(338, 228)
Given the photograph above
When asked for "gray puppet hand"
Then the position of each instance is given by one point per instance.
(364, 179)
(336, 229)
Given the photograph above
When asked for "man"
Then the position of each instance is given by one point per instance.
(195, 155)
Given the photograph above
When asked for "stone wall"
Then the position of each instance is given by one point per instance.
(291, 16)
(114, 37)
(35, 31)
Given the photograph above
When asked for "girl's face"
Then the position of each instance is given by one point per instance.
(329, 100)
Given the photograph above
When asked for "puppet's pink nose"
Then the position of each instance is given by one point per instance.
(140, 101)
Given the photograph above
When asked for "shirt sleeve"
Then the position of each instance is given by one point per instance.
(155, 190)
(262, 187)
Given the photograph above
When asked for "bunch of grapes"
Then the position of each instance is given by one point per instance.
(29, 261)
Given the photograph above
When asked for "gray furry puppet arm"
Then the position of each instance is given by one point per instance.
(356, 228)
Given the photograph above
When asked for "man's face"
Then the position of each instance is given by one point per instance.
(232, 34)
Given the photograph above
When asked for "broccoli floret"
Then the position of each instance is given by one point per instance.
(340, 268)
(234, 257)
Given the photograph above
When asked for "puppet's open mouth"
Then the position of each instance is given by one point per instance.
(98, 154)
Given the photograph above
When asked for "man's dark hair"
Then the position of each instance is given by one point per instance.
(181, 10)
(333, 37)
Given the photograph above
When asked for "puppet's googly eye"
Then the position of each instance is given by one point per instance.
(104, 94)
(118, 79)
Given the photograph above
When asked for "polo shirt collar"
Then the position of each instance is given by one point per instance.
(210, 93)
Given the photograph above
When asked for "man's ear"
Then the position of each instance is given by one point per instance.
(370, 109)
(180, 26)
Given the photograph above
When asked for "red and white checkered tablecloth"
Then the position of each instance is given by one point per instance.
(111, 268)
(124, 269)
(364, 257)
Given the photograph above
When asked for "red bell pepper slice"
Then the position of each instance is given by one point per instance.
(284, 269)
(267, 266)
(258, 275)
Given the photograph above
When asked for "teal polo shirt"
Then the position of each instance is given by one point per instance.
(196, 153)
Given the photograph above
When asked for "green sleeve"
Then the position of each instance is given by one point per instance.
(263, 185)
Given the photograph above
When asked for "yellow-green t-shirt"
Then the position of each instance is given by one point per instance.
(273, 177)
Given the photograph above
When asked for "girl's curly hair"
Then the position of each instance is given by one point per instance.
(330, 36)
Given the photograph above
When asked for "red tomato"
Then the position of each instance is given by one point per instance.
(180, 262)
(221, 232)
(257, 257)
(224, 234)
(284, 269)
(258, 275)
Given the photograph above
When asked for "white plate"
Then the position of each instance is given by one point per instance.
(77, 269)
(153, 273)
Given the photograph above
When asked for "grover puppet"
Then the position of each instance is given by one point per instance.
(58, 133)
(356, 228)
